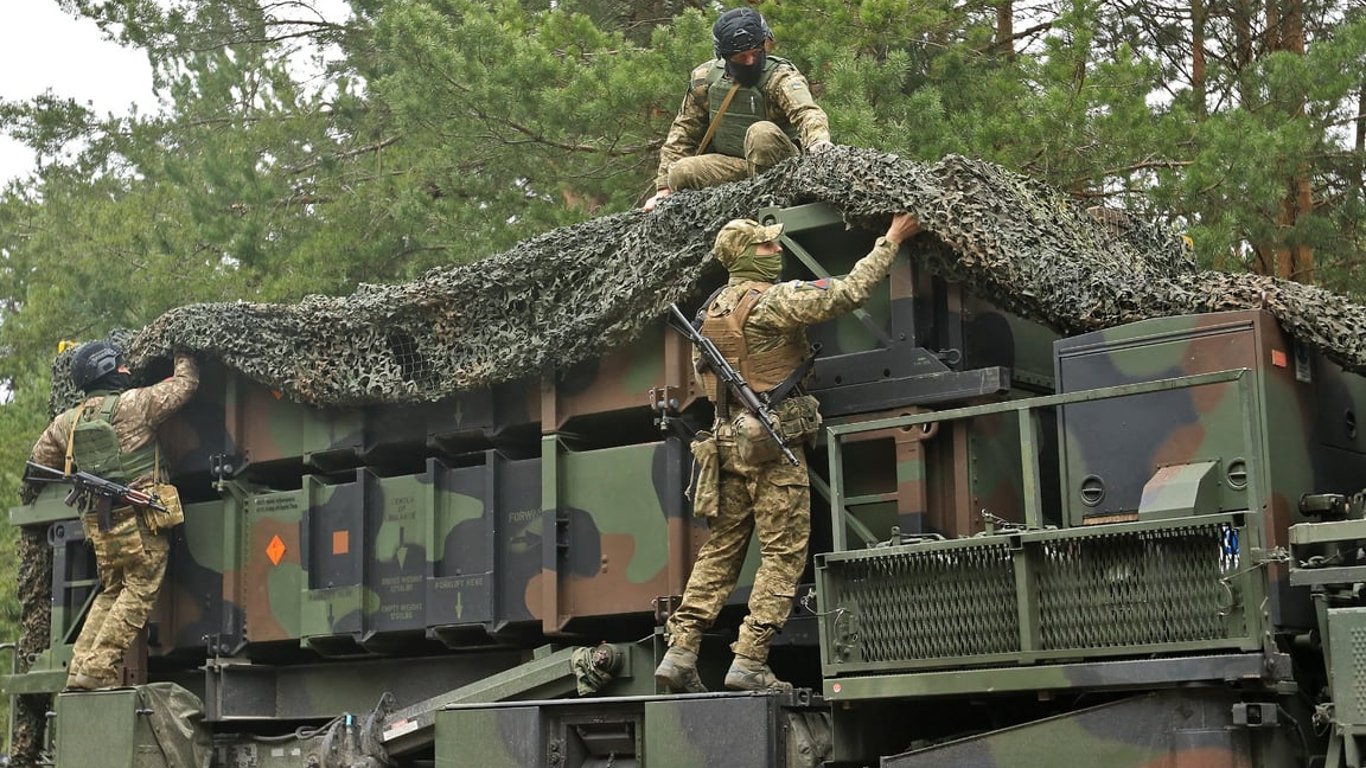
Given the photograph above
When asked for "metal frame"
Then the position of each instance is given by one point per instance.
(1029, 438)
(912, 676)
(1248, 591)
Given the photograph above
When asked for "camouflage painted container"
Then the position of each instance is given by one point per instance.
(609, 398)
(230, 415)
(504, 416)
(618, 534)
(1182, 452)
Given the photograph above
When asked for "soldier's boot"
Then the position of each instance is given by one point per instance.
(677, 672)
(750, 675)
(79, 681)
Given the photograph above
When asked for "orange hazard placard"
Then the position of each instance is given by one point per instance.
(341, 542)
(275, 550)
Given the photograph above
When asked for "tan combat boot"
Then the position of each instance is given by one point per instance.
(79, 681)
(750, 675)
(677, 673)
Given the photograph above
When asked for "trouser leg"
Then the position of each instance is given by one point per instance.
(142, 574)
(765, 146)
(782, 518)
(706, 171)
(717, 567)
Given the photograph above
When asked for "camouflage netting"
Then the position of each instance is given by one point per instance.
(572, 293)
(34, 558)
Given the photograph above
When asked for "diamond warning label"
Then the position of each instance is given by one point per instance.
(275, 550)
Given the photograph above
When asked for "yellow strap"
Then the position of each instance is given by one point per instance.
(716, 121)
(71, 437)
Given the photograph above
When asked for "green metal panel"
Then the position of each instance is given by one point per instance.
(101, 730)
(1347, 639)
(1181, 490)
(489, 738)
(49, 507)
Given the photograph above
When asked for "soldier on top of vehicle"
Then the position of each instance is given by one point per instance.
(112, 433)
(745, 485)
(744, 112)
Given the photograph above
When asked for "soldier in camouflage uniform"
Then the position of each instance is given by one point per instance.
(760, 328)
(770, 108)
(130, 557)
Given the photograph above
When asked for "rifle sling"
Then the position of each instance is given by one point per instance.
(794, 379)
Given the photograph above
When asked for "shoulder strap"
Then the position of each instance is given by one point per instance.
(107, 408)
(753, 292)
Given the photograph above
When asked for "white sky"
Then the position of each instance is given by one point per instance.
(41, 47)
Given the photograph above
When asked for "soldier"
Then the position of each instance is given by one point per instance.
(742, 114)
(130, 554)
(760, 328)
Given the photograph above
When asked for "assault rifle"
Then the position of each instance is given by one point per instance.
(91, 492)
(753, 402)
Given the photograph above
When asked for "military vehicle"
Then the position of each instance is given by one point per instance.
(1132, 547)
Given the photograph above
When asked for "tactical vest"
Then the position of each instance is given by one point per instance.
(95, 446)
(765, 369)
(749, 106)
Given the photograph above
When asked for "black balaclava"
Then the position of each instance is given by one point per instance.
(737, 30)
(748, 76)
(112, 382)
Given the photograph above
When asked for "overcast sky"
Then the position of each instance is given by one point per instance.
(41, 47)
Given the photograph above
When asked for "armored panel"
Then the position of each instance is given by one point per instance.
(104, 730)
(232, 415)
(613, 391)
(1347, 651)
(1306, 414)
(1118, 590)
(734, 730)
(199, 607)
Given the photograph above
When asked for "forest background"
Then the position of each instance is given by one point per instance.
(434, 132)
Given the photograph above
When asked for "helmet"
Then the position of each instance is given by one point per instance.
(739, 29)
(93, 361)
(739, 234)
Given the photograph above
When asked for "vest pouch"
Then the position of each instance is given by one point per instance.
(753, 444)
(799, 419)
(705, 490)
(95, 446)
(156, 519)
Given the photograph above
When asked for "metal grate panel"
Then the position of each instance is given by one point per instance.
(1117, 590)
(925, 605)
(1149, 587)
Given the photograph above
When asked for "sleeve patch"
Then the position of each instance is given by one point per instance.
(821, 284)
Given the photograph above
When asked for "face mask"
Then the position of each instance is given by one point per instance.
(748, 76)
(112, 382)
(752, 266)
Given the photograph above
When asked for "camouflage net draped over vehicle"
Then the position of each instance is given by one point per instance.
(574, 292)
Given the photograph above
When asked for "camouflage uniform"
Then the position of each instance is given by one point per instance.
(774, 498)
(131, 560)
(790, 111)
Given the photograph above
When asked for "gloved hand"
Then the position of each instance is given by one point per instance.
(819, 146)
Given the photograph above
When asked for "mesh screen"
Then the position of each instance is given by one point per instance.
(1095, 592)
(1151, 588)
(912, 606)
(575, 292)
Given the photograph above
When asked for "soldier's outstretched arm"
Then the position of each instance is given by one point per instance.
(158, 401)
(807, 302)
